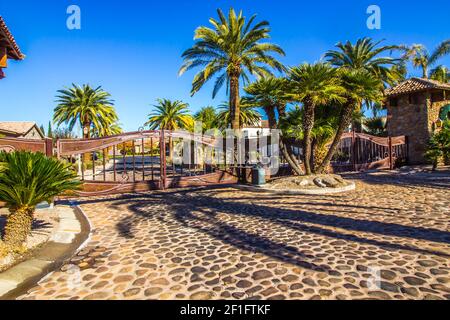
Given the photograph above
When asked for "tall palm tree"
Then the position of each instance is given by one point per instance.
(421, 58)
(440, 73)
(359, 85)
(365, 55)
(91, 108)
(27, 180)
(231, 51)
(248, 115)
(170, 115)
(314, 85)
(208, 117)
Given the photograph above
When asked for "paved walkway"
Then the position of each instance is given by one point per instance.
(385, 241)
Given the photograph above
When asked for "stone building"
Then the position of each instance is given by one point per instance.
(23, 130)
(414, 108)
(8, 48)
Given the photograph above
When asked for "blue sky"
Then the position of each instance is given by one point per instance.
(132, 48)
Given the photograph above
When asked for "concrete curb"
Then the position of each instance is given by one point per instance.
(73, 232)
(324, 191)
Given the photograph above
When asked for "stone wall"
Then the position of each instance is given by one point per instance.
(414, 118)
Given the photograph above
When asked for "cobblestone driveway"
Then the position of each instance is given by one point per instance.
(216, 244)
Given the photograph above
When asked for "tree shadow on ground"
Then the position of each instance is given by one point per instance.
(437, 180)
(200, 212)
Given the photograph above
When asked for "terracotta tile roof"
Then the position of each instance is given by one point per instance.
(415, 85)
(13, 49)
(19, 128)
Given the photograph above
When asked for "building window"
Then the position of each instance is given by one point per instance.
(393, 102)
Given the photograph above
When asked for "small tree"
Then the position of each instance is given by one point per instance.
(26, 180)
(439, 146)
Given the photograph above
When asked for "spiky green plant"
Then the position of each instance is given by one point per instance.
(29, 179)
(231, 51)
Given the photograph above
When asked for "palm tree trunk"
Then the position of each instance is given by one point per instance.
(308, 123)
(285, 151)
(345, 121)
(270, 111)
(290, 158)
(18, 226)
(234, 102)
(425, 71)
(170, 149)
(86, 135)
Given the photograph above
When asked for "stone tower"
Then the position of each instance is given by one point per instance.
(414, 108)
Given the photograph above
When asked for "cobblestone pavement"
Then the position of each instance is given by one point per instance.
(388, 240)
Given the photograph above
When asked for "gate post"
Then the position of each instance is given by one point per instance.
(354, 149)
(391, 164)
(162, 160)
(49, 147)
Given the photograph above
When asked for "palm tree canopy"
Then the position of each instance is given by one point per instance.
(31, 178)
(325, 124)
(317, 84)
(440, 73)
(84, 105)
(232, 46)
(207, 116)
(422, 58)
(170, 115)
(267, 92)
(110, 130)
(249, 116)
(361, 85)
(365, 54)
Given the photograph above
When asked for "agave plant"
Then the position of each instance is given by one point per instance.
(27, 180)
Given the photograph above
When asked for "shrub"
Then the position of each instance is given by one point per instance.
(439, 146)
(27, 180)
